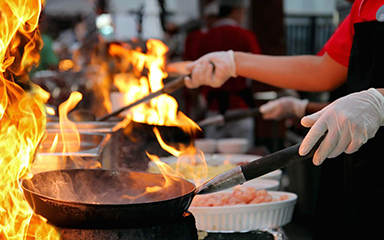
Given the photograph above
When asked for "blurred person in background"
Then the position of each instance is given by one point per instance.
(235, 95)
(193, 39)
(48, 58)
(194, 104)
(353, 56)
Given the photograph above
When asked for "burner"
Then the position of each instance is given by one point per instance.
(182, 229)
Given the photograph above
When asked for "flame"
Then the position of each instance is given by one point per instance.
(143, 73)
(70, 134)
(66, 65)
(22, 118)
(170, 175)
(50, 111)
(162, 110)
(68, 128)
(188, 158)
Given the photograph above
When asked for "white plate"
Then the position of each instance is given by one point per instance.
(244, 218)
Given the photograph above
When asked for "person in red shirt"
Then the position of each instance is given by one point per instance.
(354, 55)
(193, 39)
(234, 95)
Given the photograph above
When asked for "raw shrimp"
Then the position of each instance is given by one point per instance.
(239, 195)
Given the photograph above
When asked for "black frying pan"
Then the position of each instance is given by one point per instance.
(109, 210)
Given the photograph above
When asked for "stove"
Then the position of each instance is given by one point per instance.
(183, 228)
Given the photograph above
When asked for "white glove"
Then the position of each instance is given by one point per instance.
(284, 107)
(350, 122)
(202, 70)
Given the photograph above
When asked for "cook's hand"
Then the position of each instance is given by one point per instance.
(284, 107)
(204, 73)
(350, 122)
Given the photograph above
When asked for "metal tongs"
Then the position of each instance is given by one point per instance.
(82, 115)
(168, 89)
(229, 117)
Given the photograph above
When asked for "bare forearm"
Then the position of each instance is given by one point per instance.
(381, 90)
(313, 107)
(305, 73)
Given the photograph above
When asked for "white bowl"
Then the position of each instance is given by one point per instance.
(233, 145)
(206, 145)
(244, 218)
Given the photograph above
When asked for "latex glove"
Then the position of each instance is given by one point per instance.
(350, 122)
(202, 70)
(284, 107)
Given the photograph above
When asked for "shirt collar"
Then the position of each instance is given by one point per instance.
(225, 22)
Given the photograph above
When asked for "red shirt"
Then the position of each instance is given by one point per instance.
(191, 46)
(340, 44)
(224, 38)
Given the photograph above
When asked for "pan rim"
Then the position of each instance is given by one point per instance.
(55, 200)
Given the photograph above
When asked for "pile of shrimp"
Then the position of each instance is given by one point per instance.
(238, 196)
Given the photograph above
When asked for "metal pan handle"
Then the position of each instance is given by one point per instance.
(256, 168)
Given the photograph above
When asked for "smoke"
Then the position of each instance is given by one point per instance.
(105, 186)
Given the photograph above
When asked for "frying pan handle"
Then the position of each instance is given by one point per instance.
(256, 168)
(229, 117)
(174, 85)
(277, 160)
(179, 83)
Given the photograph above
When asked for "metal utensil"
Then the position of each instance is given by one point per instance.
(257, 168)
(168, 88)
(83, 115)
(229, 117)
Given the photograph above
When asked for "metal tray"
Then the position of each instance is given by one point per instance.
(89, 127)
(91, 146)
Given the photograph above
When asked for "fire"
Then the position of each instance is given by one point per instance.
(169, 174)
(140, 75)
(188, 158)
(68, 128)
(50, 111)
(66, 65)
(22, 118)
(162, 110)
(69, 133)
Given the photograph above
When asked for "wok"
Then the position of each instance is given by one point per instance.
(108, 210)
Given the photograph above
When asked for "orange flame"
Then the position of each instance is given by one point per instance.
(134, 84)
(70, 134)
(162, 110)
(22, 118)
(67, 127)
(50, 111)
(188, 158)
(169, 174)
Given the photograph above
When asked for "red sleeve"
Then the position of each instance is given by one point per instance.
(253, 44)
(339, 45)
(187, 46)
(191, 46)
